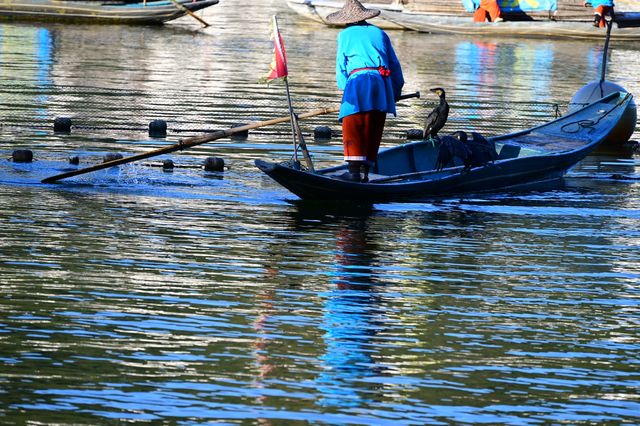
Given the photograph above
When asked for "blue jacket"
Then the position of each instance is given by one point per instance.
(596, 3)
(367, 46)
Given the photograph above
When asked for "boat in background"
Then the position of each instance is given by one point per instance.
(101, 12)
(570, 19)
(409, 172)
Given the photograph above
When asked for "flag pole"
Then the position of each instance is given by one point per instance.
(293, 117)
(296, 131)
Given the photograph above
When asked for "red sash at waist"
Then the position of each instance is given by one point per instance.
(385, 72)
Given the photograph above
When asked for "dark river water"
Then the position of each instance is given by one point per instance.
(133, 295)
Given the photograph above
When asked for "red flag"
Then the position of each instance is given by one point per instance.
(278, 66)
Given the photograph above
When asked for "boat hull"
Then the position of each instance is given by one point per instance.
(501, 175)
(151, 13)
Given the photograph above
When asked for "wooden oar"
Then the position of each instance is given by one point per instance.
(198, 140)
(190, 13)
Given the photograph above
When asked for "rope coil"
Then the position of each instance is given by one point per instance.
(582, 124)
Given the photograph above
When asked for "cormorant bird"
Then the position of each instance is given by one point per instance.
(482, 151)
(451, 147)
(436, 118)
(474, 152)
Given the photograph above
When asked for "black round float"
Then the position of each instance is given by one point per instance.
(62, 125)
(75, 160)
(322, 133)
(414, 134)
(167, 165)
(22, 156)
(240, 135)
(213, 164)
(158, 129)
(111, 157)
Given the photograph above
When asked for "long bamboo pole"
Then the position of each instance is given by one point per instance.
(187, 143)
(190, 13)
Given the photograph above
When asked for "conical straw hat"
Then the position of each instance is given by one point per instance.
(353, 11)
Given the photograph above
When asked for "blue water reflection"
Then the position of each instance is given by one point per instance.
(44, 60)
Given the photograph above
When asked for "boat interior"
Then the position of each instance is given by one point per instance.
(418, 159)
(421, 157)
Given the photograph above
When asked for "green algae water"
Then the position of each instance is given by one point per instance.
(133, 295)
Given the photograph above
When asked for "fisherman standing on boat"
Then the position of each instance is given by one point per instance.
(369, 73)
(601, 8)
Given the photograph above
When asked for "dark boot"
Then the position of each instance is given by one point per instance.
(596, 20)
(353, 173)
(364, 169)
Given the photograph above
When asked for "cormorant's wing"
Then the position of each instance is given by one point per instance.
(459, 149)
(431, 119)
(480, 143)
(450, 149)
(444, 154)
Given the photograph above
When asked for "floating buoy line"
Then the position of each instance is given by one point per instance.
(158, 129)
(209, 164)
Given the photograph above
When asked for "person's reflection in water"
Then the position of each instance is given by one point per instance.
(351, 319)
(263, 364)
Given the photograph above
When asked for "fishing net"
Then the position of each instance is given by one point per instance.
(114, 112)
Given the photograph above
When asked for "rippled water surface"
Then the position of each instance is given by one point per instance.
(135, 295)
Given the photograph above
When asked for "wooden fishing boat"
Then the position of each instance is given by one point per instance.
(570, 19)
(408, 172)
(100, 12)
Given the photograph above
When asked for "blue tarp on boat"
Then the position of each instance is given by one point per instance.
(517, 5)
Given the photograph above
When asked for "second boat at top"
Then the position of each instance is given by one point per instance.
(561, 18)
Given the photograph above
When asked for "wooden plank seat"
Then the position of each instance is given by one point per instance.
(409, 158)
(508, 151)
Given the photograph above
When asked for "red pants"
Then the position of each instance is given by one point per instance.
(361, 135)
(603, 11)
(487, 6)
